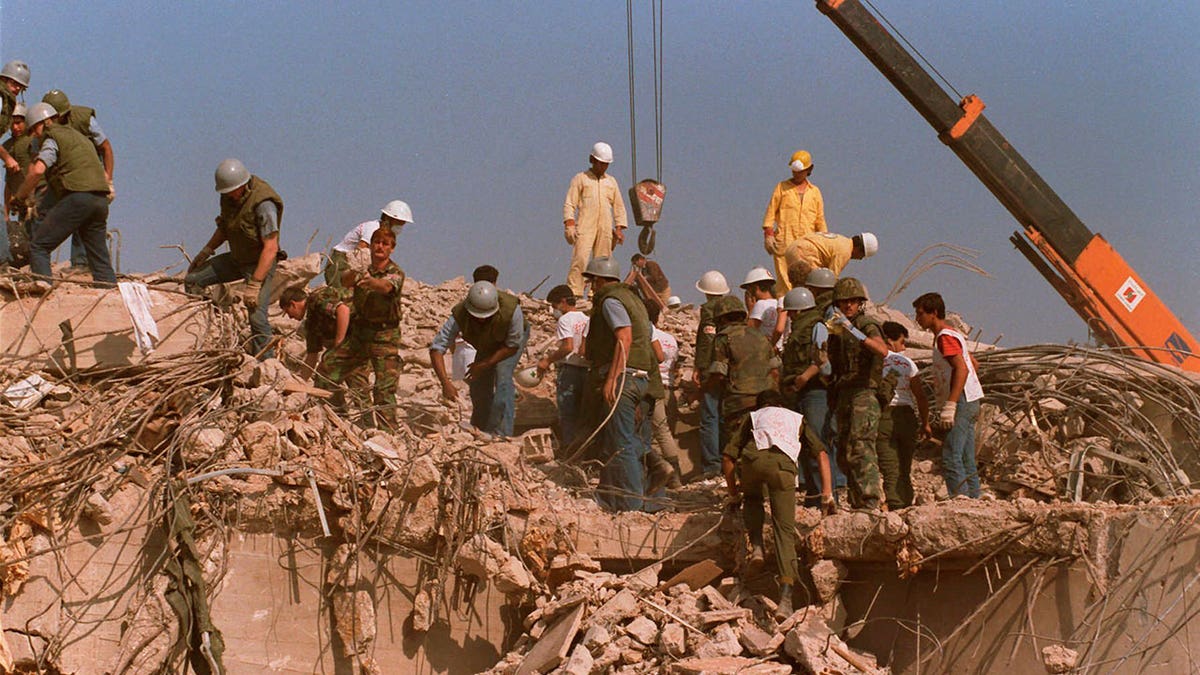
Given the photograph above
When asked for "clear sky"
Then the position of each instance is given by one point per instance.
(478, 114)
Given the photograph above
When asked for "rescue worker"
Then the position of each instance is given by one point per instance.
(593, 215)
(899, 425)
(650, 283)
(81, 119)
(374, 336)
(856, 352)
(491, 321)
(249, 221)
(765, 317)
(626, 373)
(958, 393)
(743, 364)
(326, 314)
(832, 251)
(803, 381)
(820, 282)
(394, 216)
(74, 173)
(714, 287)
(19, 146)
(796, 209)
(760, 461)
(571, 328)
(14, 79)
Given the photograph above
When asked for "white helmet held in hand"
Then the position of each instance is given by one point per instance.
(756, 275)
(712, 282)
(602, 152)
(527, 377)
(398, 210)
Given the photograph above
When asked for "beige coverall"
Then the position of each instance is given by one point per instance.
(821, 249)
(597, 207)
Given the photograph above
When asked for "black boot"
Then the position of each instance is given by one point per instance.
(784, 610)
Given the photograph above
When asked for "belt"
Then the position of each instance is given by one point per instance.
(381, 325)
(632, 372)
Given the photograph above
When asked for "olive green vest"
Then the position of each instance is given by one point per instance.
(487, 336)
(238, 221)
(80, 119)
(749, 357)
(77, 168)
(704, 336)
(8, 103)
(21, 149)
(855, 366)
(602, 343)
(798, 350)
(379, 308)
(824, 300)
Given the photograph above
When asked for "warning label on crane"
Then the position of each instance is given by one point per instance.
(1130, 294)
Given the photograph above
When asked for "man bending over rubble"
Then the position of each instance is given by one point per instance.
(374, 335)
(326, 315)
(761, 459)
(491, 321)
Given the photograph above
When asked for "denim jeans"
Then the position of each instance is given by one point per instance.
(82, 213)
(493, 395)
(221, 269)
(622, 478)
(958, 452)
(814, 406)
(710, 432)
(78, 251)
(5, 252)
(571, 380)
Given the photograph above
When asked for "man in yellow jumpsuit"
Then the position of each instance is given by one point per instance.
(831, 251)
(796, 209)
(593, 215)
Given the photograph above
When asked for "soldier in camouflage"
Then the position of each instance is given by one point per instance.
(856, 352)
(374, 335)
(326, 313)
(743, 365)
(804, 382)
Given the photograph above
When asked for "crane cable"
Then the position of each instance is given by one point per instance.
(646, 239)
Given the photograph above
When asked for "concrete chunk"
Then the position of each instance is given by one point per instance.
(643, 630)
(621, 606)
(552, 648)
(672, 640)
(827, 576)
(580, 663)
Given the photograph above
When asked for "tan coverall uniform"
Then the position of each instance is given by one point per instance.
(791, 215)
(821, 249)
(597, 207)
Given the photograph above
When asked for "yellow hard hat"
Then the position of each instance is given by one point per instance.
(804, 159)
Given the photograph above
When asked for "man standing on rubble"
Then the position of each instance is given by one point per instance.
(714, 287)
(832, 251)
(957, 391)
(571, 328)
(374, 336)
(491, 321)
(796, 209)
(805, 372)
(249, 220)
(394, 216)
(743, 365)
(625, 371)
(856, 353)
(19, 146)
(593, 215)
(75, 174)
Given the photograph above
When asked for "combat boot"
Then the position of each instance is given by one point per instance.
(784, 610)
(674, 483)
(660, 473)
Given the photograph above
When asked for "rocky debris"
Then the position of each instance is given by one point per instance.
(1059, 658)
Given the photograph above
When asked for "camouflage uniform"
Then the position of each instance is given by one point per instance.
(374, 337)
(745, 357)
(858, 382)
(320, 327)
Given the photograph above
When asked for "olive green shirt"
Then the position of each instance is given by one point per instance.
(745, 357)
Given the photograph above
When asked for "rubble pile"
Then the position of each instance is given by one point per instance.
(688, 624)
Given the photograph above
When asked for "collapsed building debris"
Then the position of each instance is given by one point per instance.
(195, 505)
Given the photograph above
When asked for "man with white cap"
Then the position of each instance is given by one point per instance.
(394, 215)
(796, 209)
(831, 251)
(593, 215)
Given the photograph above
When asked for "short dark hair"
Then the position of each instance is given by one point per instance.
(764, 285)
(893, 330)
(636, 257)
(485, 273)
(931, 303)
(384, 233)
(559, 293)
(770, 398)
(652, 312)
(292, 294)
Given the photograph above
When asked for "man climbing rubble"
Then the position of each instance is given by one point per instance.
(394, 216)
(374, 336)
(831, 251)
(251, 213)
(803, 382)
(760, 461)
(593, 215)
(490, 320)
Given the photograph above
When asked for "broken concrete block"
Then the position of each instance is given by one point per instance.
(422, 612)
(1059, 658)
(203, 445)
(580, 663)
(827, 576)
(621, 606)
(261, 442)
(671, 640)
(552, 648)
(420, 480)
(478, 557)
(564, 566)
(757, 641)
(596, 637)
(631, 656)
(696, 575)
(723, 642)
(537, 446)
(512, 577)
(645, 578)
(717, 665)
(354, 620)
(814, 646)
(715, 599)
(643, 630)
(96, 507)
(723, 616)
(892, 526)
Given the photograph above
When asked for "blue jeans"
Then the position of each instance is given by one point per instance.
(78, 251)
(622, 478)
(958, 452)
(5, 252)
(82, 213)
(221, 269)
(493, 395)
(814, 405)
(571, 380)
(710, 432)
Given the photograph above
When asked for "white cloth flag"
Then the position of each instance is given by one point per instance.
(137, 302)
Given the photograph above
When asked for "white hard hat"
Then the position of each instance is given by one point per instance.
(712, 282)
(674, 302)
(602, 152)
(39, 112)
(398, 210)
(870, 244)
(18, 110)
(527, 377)
(756, 275)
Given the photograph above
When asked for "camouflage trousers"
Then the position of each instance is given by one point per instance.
(347, 364)
(857, 414)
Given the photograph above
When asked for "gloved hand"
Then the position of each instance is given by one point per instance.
(946, 415)
(201, 257)
(769, 244)
(112, 192)
(569, 234)
(249, 293)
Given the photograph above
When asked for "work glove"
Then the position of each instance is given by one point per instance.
(946, 415)
(249, 293)
(843, 324)
(112, 192)
(569, 234)
(201, 257)
(769, 244)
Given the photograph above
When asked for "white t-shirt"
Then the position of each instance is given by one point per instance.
(767, 311)
(574, 325)
(905, 370)
(670, 347)
(361, 233)
(779, 427)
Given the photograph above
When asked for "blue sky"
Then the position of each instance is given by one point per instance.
(478, 114)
